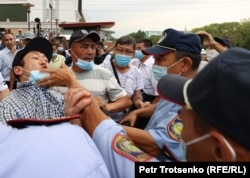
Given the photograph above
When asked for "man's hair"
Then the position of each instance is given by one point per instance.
(126, 40)
(201, 125)
(147, 43)
(100, 43)
(196, 58)
(7, 33)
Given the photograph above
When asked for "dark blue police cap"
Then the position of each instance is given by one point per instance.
(173, 40)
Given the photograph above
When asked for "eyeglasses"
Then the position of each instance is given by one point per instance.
(124, 51)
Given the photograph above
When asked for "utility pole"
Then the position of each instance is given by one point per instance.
(51, 8)
(28, 5)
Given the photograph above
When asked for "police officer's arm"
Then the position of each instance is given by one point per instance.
(143, 140)
(140, 112)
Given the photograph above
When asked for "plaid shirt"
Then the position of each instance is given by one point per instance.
(29, 101)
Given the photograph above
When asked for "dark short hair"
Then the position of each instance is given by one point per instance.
(196, 58)
(126, 40)
(147, 43)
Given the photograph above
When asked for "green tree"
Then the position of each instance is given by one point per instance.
(154, 38)
(237, 32)
(138, 35)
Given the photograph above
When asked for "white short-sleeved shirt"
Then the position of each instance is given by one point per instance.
(130, 81)
(146, 70)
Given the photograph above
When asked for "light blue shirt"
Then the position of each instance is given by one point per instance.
(58, 151)
(118, 150)
(165, 127)
(6, 60)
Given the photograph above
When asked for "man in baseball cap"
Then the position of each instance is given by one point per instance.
(215, 110)
(176, 52)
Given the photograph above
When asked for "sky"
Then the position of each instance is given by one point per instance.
(157, 15)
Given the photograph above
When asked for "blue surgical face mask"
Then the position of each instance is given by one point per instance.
(60, 49)
(54, 55)
(85, 65)
(183, 151)
(160, 71)
(138, 54)
(122, 60)
(36, 75)
(183, 145)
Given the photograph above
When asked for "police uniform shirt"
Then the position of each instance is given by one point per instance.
(165, 127)
(117, 149)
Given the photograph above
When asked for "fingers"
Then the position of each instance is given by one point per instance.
(132, 122)
(129, 120)
(76, 100)
(76, 94)
(146, 104)
(44, 81)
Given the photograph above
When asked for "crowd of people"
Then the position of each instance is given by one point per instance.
(75, 110)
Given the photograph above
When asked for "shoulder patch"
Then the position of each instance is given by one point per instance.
(124, 146)
(174, 128)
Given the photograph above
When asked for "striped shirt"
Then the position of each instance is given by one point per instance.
(101, 82)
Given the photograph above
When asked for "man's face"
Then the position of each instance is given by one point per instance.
(33, 60)
(9, 41)
(84, 49)
(167, 60)
(125, 49)
(140, 46)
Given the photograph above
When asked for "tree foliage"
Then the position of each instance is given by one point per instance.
(138, 35)
(237, 32)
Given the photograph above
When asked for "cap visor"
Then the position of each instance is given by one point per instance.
(92, 35)
(155, 51)
(170, 87)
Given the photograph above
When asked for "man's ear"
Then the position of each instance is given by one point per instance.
(186, 64)
(223, 150)
(18, 70)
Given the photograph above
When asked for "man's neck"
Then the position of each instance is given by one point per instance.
(13, 49)
(190, 74)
